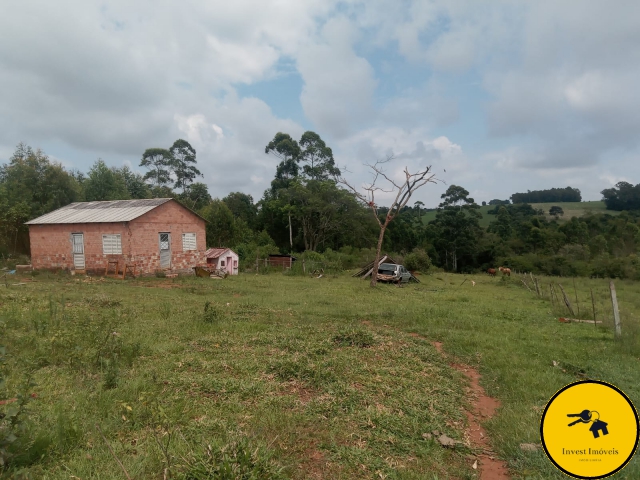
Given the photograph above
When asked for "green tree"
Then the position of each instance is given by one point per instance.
(32, 185)
(242, 206)
(556, 211)
(502, 224)
(104, 183)
(576, 231)
(288, 151)
(12, 220)
(183, 164)
(134, 183)
(318, 157)
(220, 227)
(456, 231)
(196, 197)
(318, 207)
(624, 196)
(158, 161)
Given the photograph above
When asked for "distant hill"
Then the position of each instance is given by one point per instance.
(571, 209)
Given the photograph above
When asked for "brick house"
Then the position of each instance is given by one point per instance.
(156, 234)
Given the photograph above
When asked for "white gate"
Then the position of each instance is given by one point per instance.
(78, 251)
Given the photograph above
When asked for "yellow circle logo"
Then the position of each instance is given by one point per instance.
(589, 429)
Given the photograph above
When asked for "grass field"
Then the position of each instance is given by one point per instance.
(571, 209)
(279, 376)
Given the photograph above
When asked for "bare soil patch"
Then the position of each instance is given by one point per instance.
(483, 407)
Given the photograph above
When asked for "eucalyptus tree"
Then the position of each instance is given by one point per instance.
(182, 164)
(318, 158)
(456, 230)
(159, 162)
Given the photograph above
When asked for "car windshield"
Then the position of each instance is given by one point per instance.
(387, 267)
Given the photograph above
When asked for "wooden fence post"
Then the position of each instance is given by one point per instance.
(616, 312)
(593, 304)
(575, 290)
(566, 301)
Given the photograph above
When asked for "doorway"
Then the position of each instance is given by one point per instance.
(77, 240)
(165, 250)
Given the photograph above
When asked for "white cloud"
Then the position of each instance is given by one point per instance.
(339, 85)
(554, 83)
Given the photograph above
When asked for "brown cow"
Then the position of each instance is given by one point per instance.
(505, 271)
(492, 272)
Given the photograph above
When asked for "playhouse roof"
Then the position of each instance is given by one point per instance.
(216, 252)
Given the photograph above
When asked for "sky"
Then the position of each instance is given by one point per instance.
(497, 96)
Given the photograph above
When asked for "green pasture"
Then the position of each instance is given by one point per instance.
(282, 376)
(571, 209)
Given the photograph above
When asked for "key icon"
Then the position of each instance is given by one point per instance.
(584, 417)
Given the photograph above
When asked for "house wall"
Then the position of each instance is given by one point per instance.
(51, 245)
(172, 218)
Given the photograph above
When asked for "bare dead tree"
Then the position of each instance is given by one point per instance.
(403, 191)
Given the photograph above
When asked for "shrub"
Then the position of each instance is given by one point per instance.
(418, 260)
(212, 313)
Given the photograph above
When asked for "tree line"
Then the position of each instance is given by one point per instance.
(567, 194)
(307, 209)
(624, 196)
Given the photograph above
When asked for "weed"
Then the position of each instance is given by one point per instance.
(300, 369)
(102, 300)
(67, 433)
(165, 310)
(14, 432)
(354, 338)
(212, 313)
(160, 274)
(110, 367)
(236, 460)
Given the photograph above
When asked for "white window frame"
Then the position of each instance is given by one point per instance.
(186, 245)
(117, 250)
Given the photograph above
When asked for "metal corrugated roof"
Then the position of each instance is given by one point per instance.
(100, 212)
(216, 252)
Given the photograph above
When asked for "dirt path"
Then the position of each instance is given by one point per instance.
(482, 408)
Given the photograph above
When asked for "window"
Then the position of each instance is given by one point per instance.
(188, 242)
(111, 245)
(222, 263)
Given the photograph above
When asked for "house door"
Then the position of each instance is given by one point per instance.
(77, 240)
(165, 250)
(230, 265)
